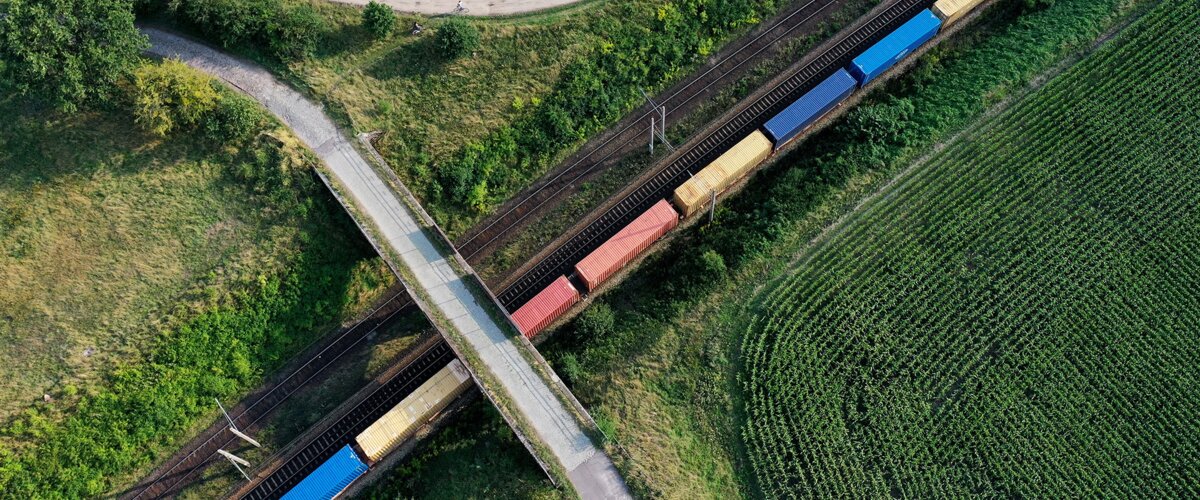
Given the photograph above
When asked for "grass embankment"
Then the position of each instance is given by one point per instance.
(1016, 316)
(467, 133)
(144, 277)
(662, 374)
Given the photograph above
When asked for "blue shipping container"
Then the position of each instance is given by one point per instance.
(330, 478)
(887, 52)
(810, 107)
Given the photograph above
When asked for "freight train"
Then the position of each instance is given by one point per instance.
(697, 193)
(701, 190)
(387, 433)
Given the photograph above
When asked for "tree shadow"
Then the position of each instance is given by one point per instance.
(410, 60)
(40, 145)
(344, 39)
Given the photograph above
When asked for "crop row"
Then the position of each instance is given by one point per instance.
(1017, 316)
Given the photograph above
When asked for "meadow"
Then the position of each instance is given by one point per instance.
(1015, 315)
(658, 358)
(142, 276)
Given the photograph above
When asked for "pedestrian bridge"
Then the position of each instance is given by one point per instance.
(510, 372)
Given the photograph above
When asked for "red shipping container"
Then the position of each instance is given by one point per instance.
(545, 307)
(627, 244)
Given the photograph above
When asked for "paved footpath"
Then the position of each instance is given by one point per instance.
(589, 469)
(474, 8)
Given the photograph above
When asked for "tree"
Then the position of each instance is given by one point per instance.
(456, 37)
(378, 19)
(293, 34)
(170, 96)
(70, 53)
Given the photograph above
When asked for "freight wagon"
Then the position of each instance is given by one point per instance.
(896, 46)
(696, 192)
(952, 10)
(627, 244)
(545, 307)
(705, 185)
(399, 424)
(809, 108)
(331, 478)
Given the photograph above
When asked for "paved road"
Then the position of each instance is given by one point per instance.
(474, 7)
(589, 469)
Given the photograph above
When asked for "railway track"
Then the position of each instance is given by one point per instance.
(169, 480)
(750, 116)
(632, 135)
(558, 261)
(343, 430)
(477, 244)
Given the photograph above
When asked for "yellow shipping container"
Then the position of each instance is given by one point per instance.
(403, 420)
(725, 170)
(693, 194)
(952, 10)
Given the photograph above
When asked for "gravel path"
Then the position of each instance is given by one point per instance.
(473, 8)
(589, 469)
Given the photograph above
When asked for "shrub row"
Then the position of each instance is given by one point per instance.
(284, 30)
(171, 96)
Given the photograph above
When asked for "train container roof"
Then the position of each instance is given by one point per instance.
(331, 478)
(546, 306)
(723, 171)
(695, 192)
(810, 107)
(895, 46)
(953, 10)
(399, 423)
(627, 244)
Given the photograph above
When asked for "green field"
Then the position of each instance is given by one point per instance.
(103, 230)
(1016, 316)
(142, 277)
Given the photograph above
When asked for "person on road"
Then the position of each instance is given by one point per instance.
(460, 7)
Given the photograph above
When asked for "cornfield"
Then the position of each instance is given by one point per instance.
(1017, 316)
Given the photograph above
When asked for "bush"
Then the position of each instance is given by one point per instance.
(456, 38)
(294, 34)
(378, 19)
(236, 119)
(287, 32)
(170, 96)
(596, 321)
